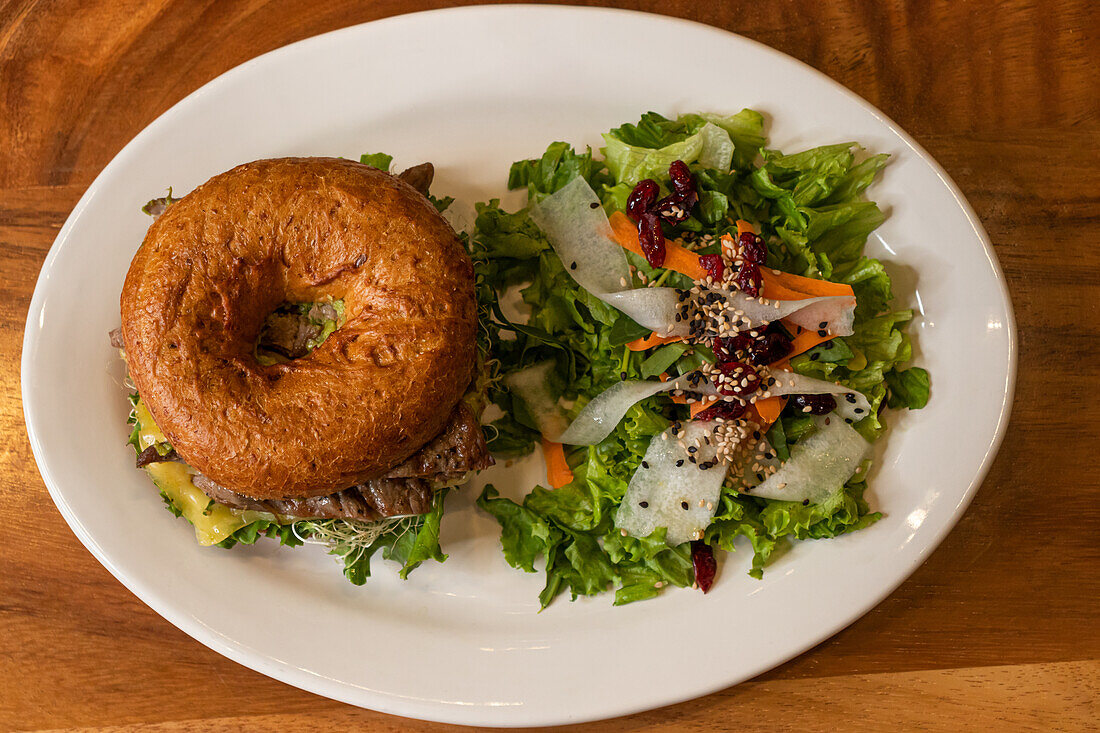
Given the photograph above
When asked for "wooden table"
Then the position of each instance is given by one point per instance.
(997, 631)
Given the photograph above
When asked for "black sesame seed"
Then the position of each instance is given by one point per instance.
(684, 505)
(823, 324)
(692, 449)
(850, 397)
(760, 477)
(622, 375)
(756, 434)
(679, 318)
(572, 265)
(679, 463)
(805, 502)
(847, 420)
(858, 410)
(822, 333)
(815, 356)
(691, 459)
(594, 205)
(645, 465)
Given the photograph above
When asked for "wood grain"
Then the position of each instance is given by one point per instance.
(998, 630)
(1048, 697)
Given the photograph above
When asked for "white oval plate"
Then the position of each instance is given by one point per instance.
(472, 90)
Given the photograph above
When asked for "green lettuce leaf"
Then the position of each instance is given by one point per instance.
(907, 388)
(381, 161)
(559, 165)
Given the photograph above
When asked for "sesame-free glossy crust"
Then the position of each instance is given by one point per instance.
(297, 230)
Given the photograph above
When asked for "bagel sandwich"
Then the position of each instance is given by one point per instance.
(302, 339)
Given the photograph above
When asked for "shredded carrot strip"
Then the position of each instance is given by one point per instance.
(558, 473)
(786, 286)
(696, 407)
(676, 257)
(652, 340)
(767, 410)
(804, 340)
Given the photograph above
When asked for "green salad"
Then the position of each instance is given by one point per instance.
(686, 266)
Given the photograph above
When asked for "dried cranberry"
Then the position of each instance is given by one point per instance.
(651, 239)
(672, 209)
(682, 182)
(769, 349)
(748, 279)
(688, 200)
(704, 564)
(738, 372)
(753, 248)
(725, 409)
(819, 404)
(730, 348)
(642, 198)
(713, 265)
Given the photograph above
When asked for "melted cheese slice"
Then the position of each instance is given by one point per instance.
(213, 522)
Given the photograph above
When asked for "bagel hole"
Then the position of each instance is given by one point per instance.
(293, 330)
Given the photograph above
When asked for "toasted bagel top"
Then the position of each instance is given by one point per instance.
(298, 230)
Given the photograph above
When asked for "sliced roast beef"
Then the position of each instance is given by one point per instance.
(368, 501)
(419, 177)
(152, 455)
(393, 497)
(460, 448)
(288, 334)
(406, 489)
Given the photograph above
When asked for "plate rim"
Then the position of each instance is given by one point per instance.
(432, 710)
